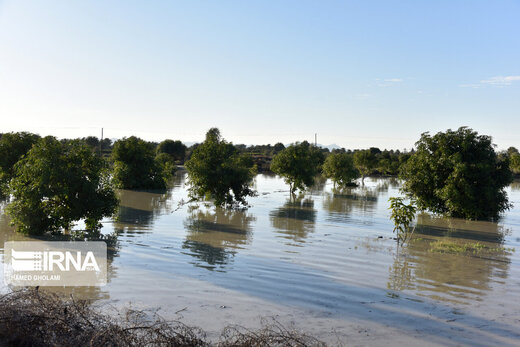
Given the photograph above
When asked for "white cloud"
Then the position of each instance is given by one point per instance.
(388, 82)
(501, 80)
(496, 81)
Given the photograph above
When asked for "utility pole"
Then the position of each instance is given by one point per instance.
(315, 139)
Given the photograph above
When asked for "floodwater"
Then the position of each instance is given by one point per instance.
(325, 262)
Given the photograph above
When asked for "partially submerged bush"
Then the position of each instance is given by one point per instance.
(135, 166)
(218, 172)
(458, 173)
(402, 215)
(58, 183)
(339, 167)
(298, 164)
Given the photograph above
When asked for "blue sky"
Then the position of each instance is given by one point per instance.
(358, 73)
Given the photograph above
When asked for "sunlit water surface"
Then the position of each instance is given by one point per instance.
(326, 259)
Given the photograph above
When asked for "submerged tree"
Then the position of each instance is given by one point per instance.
(135, 166)
(365, 161)
(339, 167)
(217, 171)
(56, 184)
(458, 173)
(13, 146)
(298, 164)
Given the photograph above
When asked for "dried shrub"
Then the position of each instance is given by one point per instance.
(31, 317)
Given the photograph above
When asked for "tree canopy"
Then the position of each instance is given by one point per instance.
(167, 165)
(298, 164)
(458, 173)
(365, 161)
(135, 166)
(339, 167)
(176, 149)
(217, 171)
(13, 146)
(56, 184)
(515, 163)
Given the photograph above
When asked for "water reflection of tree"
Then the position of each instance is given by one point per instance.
(295, 219)
(213, 236)
(138, 209)
(341, 203)
(319, 185)
(7, 233)
(401, 272)
(460, 228)
(179, 178)
(450, 277)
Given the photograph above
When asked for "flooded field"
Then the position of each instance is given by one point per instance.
(325, 262)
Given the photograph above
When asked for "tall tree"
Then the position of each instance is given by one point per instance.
(458, 173)
(217, 171)
(298, 164)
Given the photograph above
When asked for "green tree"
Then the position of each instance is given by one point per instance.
(176, 149)
(365, 161)
(339, 167)
(515, 163)
(402, 215)
(166, 164)
(13, 146)
(298, 164)
(135, 166)
(56, 184)
(278, 147)
(217, 171)
(458, 173)
(92, 142)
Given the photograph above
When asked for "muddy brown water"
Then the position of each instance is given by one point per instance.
(325, 262)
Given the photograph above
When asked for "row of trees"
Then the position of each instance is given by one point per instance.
(219, 171)
(374, 161)
(54, 183)
(455, 173)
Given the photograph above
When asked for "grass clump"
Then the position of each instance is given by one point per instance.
(37, 318)
(474, 248)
